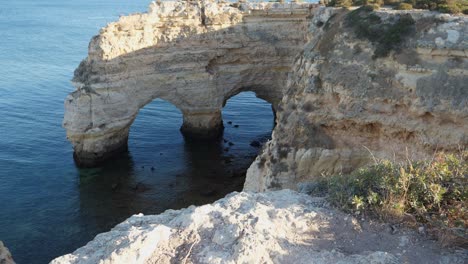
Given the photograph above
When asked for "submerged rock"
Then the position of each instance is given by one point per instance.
(255, 144)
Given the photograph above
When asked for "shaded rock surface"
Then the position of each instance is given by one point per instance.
(343, 107)
(273, 227)
(5, 256)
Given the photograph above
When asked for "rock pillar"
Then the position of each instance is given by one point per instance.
(202, 125)
(92, 150)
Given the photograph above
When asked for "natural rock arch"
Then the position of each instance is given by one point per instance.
(195, 55)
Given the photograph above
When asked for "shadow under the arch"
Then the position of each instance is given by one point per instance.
(106, 196)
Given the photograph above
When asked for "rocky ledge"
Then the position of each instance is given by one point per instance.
(272, 227)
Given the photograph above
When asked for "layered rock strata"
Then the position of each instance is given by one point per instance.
(193, 54)
(272, 227)
(345, 107)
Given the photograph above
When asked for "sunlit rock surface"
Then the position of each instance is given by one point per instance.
(272, 227)
(343, 108)
(193, 54)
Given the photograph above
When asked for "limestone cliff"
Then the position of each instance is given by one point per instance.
(348, 100)
(194, 54)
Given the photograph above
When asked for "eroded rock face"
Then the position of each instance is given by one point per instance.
(272, 227)
(5, 256)
(343, 107)
(194, 54)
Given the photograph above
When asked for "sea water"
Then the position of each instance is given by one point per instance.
(48, 206)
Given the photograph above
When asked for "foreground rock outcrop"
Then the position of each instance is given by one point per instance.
(345, 105)
(272, 227)
(5, 256)
(193, 54)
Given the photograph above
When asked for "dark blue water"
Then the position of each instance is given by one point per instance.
(48, 206)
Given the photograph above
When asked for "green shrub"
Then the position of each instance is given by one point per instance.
(343, 3)
(385, 36)
(368, 2)
(445, 6)
(377, 2)
(329, 2)
(433, 192)
(450, 6)
(360, 2)
(404, 6)
(392, 2)
(374, 6)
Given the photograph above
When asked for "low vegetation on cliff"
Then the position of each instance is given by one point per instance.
(444, 6)
(385, 35)
(433, 193)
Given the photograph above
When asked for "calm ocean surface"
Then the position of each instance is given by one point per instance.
(48, 206)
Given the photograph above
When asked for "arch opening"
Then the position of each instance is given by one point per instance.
(122, 72)
(156, 123)
(162, 169)
(246, 118)
(249, 121)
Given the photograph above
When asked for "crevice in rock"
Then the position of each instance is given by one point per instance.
(203, 14)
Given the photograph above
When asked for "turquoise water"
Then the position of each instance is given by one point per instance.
(48, 206)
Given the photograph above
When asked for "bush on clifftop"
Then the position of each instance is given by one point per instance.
(432, 192)
(404, 6)
(385, 36)
(444, 6)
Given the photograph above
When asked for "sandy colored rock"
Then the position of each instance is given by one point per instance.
(273, 227)
(343, 108)
(193, 54)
